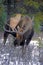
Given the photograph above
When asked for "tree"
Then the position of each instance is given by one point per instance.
(2, 15)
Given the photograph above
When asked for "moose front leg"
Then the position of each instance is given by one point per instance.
(5, 37)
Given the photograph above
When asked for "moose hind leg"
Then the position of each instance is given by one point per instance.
(30, 37)
(5, 37)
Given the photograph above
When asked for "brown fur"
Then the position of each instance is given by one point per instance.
(14, 21)
(26, 24)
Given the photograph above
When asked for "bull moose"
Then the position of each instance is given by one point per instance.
(21, 27)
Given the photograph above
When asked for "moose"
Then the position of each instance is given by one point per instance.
(21, 27)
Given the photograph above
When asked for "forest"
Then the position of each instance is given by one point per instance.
(25, 7)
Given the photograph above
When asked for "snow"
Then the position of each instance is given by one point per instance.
(13, 56)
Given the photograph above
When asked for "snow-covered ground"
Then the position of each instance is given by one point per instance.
(9, 55)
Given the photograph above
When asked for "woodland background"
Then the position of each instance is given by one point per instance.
(25, 7)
